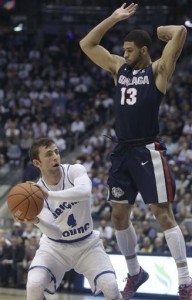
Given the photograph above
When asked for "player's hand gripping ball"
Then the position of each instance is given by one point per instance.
(25, 200)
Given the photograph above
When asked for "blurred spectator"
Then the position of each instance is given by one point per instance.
(8, 265)
(148, 230)
(30, 172)
(147, 246)
(186, 234)
(14, 154)
(106, 231)
(31, 246)
(17, 229)
(160, 247)
(30, 231)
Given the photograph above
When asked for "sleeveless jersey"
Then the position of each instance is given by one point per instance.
(137, 104)
(73, 218)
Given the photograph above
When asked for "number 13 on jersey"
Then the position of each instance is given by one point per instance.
(128, 96)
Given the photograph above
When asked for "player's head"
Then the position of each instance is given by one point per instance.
(137, 44)
(44, 154)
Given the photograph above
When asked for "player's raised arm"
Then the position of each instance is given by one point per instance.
(90, 44)
(175, 36)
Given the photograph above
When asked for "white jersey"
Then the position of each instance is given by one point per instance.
(69, 240)
(69, 209)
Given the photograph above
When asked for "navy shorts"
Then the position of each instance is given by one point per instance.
(140, 169)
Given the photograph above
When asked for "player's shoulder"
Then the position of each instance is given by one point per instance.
(39, 182)
(75, 168)
(119, 62)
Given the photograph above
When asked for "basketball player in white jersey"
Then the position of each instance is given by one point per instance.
(68, 240)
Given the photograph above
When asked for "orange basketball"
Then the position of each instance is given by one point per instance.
(25, 200)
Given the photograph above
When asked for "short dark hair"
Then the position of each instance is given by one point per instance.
(41, 142)
(140, 37)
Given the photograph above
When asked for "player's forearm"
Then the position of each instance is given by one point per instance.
(49, 229)
(96, 34)
(75, 194)
(169, 32)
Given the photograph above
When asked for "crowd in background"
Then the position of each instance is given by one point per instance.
(56, 91)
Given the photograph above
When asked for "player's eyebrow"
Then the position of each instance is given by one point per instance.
(127, 48)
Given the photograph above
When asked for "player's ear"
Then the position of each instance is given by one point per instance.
(144, 50)
(36, 163)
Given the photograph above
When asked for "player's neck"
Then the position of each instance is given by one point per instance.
(142, 64)
(52, 178)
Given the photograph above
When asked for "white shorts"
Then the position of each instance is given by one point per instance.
(87, 257)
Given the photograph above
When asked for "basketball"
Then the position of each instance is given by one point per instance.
(25, 201)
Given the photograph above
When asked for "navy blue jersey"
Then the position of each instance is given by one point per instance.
(137, 104)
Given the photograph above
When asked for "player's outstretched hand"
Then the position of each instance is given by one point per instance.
(125, 11)
(34, 221)
(43, 191)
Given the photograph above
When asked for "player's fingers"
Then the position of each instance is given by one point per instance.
(132, 7)
(123, 6)
(32, 182)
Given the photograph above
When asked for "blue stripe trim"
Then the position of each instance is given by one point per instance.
(68, 176)
(52, 278)
(72, 241)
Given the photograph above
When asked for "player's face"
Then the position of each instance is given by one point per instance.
(132, 55)
(49, 159)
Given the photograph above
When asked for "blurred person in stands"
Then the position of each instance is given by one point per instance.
(159, 246)
(17, 229)
(147, 246)
(139, 162)
(105, 230)
(31, 246)
(8, 264)
(30, 231)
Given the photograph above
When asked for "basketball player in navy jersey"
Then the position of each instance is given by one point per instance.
(139, 161)
(68, 240)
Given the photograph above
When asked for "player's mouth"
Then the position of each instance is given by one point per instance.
(56, 165)
(128, 61)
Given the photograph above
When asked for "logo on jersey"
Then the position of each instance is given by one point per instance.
(117, 192)
(140, 80)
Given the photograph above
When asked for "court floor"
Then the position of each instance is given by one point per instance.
(14, 294)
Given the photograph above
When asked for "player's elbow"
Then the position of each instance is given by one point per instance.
(86, 190)
(82, 44)
(86, 45)
(182, 31)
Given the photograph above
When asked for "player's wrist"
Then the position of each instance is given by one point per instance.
(36, 221)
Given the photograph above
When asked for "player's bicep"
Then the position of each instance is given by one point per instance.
(78, 175)
(102, 57)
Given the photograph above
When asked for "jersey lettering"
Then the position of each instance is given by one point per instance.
(140, 80)
(65, 205)
(75, 231)
(71, 221)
